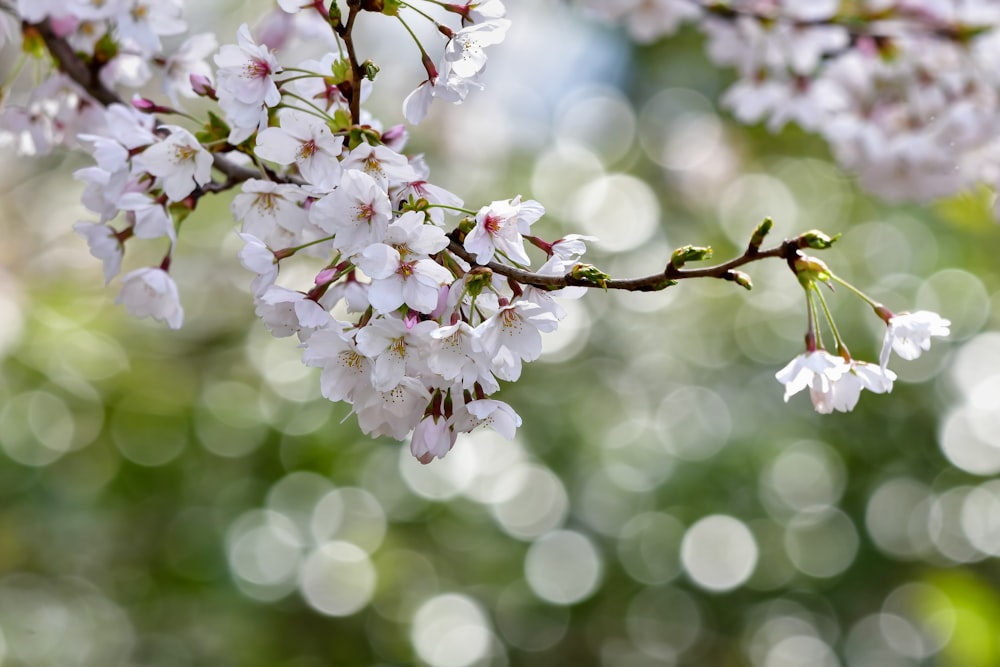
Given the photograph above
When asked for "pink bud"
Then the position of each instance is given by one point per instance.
(63, 26)
(325, 276)
(143, 104)
(202, 85)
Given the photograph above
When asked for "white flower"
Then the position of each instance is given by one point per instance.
(308, 143)
(499, 227)
(487, 412)
(818, 371)
(151, 219)
(345, 370)
(180, 161)
(258, 258)
(246, 71)
(104, 245)
(386, 166)
(457, 356)
(285, 312)
(151, 292)
(145, 21)
(860, 375)
(517, 327)
(271, 212)
(396, 346)
(188, 60)
(357, 212)
(465, 50)
(909, 334)
(399, 267)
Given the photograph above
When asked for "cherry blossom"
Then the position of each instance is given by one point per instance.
(306, 142)
(909, 334)
(818, 371)
(151, 292)
(180, 161)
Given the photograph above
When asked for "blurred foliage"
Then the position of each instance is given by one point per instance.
(188, 498)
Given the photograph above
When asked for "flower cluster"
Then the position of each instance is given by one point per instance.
(418, 307)
(835, 381)
(904, 91)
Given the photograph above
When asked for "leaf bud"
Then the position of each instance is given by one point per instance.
(590, 274)
(740, 278)
(817, 240)
(689, 253)
(763, 229)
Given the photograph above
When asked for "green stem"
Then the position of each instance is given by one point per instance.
(867, 299)
(318, 111)
(841, 348)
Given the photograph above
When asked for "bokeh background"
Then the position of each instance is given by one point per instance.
(188, 498)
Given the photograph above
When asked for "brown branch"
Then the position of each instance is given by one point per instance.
(357, 73)
(787, 250)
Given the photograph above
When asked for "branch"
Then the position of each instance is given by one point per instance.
(787, 250)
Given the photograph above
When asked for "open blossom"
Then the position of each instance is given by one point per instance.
(306, 142)
(860, 375)
(151, 292)
(179, 161)
(246, 85)
(357, 212)
(909, 334)
(466, 52)
(104, 245)
(499, 228)
(246, 70)
(187, 61)
(400, 268)
(346, 371)
(817, 370)
(487, 412)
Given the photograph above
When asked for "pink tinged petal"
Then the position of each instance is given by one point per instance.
(432, 438)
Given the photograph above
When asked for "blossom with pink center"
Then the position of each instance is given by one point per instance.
(499, 227)
(400, 269)
(357, 212)
(306, 142)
